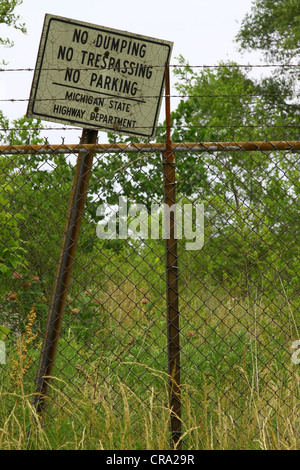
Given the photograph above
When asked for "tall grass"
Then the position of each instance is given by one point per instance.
(108, 416)
(239, 387)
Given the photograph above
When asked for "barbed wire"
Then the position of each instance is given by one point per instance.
(230, 65)
(178, 96)
(246, 95)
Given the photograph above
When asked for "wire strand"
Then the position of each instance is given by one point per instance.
(61, 69)
(246, 95)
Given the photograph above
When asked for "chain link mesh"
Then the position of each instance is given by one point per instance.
(238, 288)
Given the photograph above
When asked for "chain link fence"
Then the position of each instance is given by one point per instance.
(233, 282)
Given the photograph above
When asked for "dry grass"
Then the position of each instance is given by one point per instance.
(112, 417)
(247, 396)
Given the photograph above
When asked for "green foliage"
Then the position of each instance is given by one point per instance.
(10, 19)
(216, 103)
(20, 131)
(225, 104)
(11, 249)
(131, 172)
(272, 26)
(4, 333)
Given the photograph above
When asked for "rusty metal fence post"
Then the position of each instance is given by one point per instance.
(172, 294)
(64, 269)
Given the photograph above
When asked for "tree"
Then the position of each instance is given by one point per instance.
(273, 27)
(250, 198)
(224, 103)
(218, 104)
(10, 19)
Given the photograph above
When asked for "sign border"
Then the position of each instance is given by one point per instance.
(38, 69)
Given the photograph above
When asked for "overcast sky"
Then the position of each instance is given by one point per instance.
(203, 31)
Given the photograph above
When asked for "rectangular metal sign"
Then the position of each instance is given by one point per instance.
(98, 78)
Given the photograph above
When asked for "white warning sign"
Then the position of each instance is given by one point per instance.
(96, 77)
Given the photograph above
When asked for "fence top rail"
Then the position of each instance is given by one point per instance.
(150, 147)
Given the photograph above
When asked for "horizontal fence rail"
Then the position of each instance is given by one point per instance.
(259, 146)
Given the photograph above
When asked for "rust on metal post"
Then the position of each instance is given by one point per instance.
(64, 269)
(172, 279)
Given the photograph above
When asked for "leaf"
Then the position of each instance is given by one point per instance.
(4, 332)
